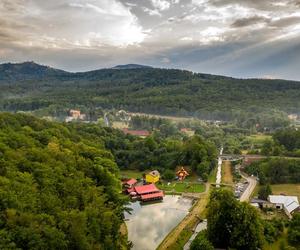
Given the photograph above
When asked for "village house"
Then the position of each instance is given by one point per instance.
(146, 192)
(261, 203)
(129, 183)
(75, 115)
(289, 204)
(152, 177)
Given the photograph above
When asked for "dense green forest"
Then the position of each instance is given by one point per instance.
(59, 183)
(283, 142)
(155, 151)
(276, 170)
(59, 189)
(29, 86)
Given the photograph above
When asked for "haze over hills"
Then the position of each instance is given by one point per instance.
(30, 86)
(131, 66)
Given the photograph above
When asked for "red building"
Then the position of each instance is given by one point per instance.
(147, 192)
(129, 183)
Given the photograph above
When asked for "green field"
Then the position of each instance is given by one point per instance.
(213, 175)
(132, 174)
(287, 189)
(182, 187)
(258, 138)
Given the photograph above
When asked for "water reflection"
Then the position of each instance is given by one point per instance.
(149, 224)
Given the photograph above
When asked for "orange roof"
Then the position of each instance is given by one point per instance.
(151, 188)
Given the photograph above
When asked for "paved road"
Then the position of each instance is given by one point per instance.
(249, 190)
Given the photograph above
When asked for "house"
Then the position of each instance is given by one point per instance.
(152, 177)
(289, 204)
(261, 203)
(146, 189)
(151, 197)
(75, 115)
(293, 117)
(182, 174)
(129, 183)
(139, 133)
(147, 192)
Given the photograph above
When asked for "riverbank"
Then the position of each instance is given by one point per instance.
(178, 237)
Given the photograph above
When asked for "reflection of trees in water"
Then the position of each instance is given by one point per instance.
(148, 225)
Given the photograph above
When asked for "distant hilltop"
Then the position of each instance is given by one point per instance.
(132, 66)
(31, 70)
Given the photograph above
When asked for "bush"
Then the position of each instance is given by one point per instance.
(201, 242)
(169, 175)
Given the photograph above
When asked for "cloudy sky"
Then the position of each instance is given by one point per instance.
(242, 38)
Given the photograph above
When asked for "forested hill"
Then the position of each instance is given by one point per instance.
(59, 187)
(29, 86)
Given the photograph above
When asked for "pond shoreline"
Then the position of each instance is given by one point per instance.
(150, 223)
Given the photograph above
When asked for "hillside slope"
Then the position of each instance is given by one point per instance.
(152, 90)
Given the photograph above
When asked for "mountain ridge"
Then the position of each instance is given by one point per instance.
(30, 70)
(29, 86)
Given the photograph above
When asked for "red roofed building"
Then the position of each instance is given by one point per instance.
(146, 193)
(140, 133)
(154, 196)
(146, 189)
(129, 183)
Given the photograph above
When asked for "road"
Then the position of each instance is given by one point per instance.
(249, 190)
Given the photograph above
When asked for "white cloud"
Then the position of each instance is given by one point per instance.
(71, 23)
(151, 12)
(161, 4)
(119, 30)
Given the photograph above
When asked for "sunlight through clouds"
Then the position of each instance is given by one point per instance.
(101, 32)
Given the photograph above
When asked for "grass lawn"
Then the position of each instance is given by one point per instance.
(287, 189)
(258, 138)
(213, 175)
(183, 187)
(132, 174)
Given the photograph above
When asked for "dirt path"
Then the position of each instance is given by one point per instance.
(191, 219)
(227, 177)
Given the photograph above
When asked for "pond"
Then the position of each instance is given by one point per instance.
(149, 224)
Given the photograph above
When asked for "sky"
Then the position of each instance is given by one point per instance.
(240, 38)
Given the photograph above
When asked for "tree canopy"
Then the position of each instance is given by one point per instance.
(59, 189)
(150, 90)
(232, 224)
